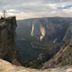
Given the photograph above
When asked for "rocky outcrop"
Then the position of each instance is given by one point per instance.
(62, 58)
(7, 38)
(8, 67)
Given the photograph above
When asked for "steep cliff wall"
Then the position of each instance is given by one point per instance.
(7, 38)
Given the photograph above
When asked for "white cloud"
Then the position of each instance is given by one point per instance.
(36, 8)
(69, 10)
(11, 10)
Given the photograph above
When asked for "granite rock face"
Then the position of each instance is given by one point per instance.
(8, 67)
(7, 38)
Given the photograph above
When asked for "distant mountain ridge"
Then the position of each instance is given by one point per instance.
(51, 24)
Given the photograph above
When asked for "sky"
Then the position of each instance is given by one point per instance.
(24, 9)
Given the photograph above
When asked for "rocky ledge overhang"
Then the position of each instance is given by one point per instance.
(6, 21)
(8, 67)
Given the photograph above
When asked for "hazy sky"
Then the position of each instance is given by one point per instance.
(23, 9)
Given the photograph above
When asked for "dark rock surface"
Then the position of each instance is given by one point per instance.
(7, 38)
